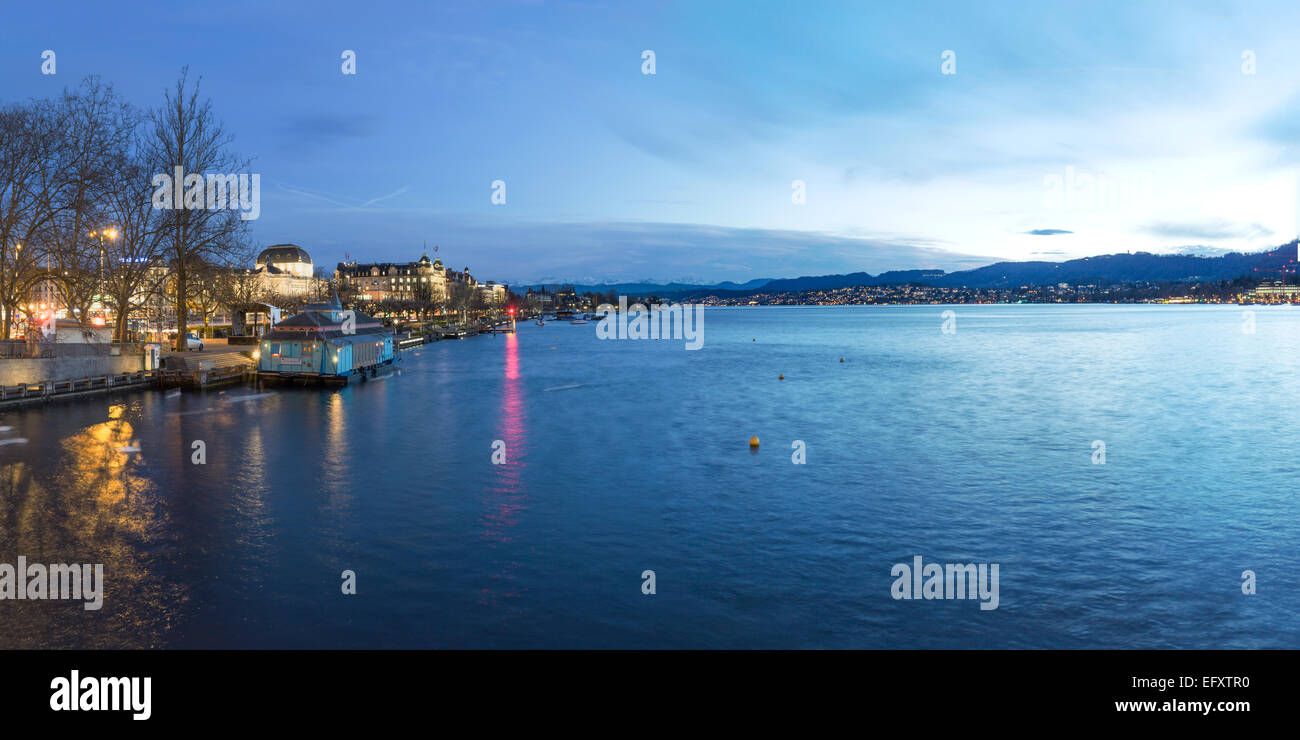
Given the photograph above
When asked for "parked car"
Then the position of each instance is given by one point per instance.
(192, 342)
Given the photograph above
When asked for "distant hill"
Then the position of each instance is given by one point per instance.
(747, 285)
(1110, 268)
(1125, 268)
(831, 282)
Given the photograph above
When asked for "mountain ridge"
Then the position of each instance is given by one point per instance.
(1133, 267)
(1136, 267)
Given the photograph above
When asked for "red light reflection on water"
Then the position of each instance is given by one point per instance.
(504, 498)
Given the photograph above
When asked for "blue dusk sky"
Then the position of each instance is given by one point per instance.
(1067, 129)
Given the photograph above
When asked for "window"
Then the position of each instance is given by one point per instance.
(275, 349)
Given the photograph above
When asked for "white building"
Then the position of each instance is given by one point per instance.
(493, 292)
(285, 269)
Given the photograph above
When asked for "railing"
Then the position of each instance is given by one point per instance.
(76, 385)
(21, 349)
(13, 349)
(111, 349)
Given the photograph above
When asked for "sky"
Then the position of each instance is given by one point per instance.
(919, 135)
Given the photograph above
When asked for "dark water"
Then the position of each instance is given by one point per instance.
(624, 456)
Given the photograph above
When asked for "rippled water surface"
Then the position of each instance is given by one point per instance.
(623, 456)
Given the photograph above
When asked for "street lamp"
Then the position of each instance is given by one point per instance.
(110, 234)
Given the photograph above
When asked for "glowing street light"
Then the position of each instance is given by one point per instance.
(111, 234)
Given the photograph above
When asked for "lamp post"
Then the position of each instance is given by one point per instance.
(111, 234)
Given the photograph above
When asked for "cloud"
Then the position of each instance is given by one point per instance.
(393, 194)
(338, 200)
(621, 251)
(1200, 250)
(1046, 232)
(1208, 229)
(325, 127)
(658, 145)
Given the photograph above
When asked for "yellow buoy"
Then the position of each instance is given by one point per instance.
(753, 441)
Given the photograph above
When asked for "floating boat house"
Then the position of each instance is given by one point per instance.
(327, 344)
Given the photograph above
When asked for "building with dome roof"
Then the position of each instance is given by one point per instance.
(285, 269)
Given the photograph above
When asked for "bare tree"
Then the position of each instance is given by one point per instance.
(285, 302)
(186, 134)
(348, 293)
(478, 304)
(322, 286)
(207, 285)
(241, 285)
(425, 300)
(132, 274)
(26, 145)
(94, 128)
(461, 299)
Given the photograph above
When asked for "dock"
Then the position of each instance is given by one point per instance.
(196, 372)
(414, 340)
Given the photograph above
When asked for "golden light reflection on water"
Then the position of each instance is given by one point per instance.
(252, 519)
(90, 505)
(335, 458)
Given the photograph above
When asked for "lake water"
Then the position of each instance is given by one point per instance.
(627, 456)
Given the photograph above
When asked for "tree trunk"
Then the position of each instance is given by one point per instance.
(120, 332)
(182, 315)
